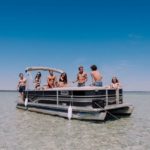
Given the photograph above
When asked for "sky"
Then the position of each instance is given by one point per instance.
(113, 34)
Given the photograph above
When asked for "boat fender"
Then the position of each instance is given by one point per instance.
(69, 112)
(26, 102)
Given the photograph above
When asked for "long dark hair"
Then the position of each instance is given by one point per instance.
(20, 74)
(64, 76)
(115, 78)
(38, 75)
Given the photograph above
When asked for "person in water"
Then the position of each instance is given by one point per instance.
(63, 80)
(115, 84)
(22, 84)
(51, 80)
(96, 76)
(81, 77)
(37, 80)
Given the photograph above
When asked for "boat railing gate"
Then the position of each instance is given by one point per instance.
(57, 97)
(106, 97)
(117, 97)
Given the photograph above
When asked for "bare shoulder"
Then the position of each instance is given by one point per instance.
(92, 72)
(84, 74)
(48, 77)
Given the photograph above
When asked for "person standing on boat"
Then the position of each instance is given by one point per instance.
(37, 81)
(96, 76)
(51, 80)
(81, 77)
(22, 84)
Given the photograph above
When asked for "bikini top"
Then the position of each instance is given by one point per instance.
(61, 80)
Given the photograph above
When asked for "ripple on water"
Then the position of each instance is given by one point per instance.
(27, 130)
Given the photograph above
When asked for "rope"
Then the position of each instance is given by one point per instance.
(107, 112)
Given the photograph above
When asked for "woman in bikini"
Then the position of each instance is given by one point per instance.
(63, 80)
(37, 81)
(115, 83)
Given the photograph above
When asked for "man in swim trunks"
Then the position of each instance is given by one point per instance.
(51, 80)
(22, 84)
(81, 77)
(96, 76)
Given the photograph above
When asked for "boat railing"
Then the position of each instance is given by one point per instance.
(57, 97)
(117, 96)
(106, 97)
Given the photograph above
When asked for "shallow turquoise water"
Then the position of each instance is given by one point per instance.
(23, 130)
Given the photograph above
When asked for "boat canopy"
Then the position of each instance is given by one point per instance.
(43, 69)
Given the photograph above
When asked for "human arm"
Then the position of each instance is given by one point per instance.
(92, 77)
(76, 79)
(86, 77)
(48, 80)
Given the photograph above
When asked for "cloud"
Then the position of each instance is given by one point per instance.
(124, 65)
(135, 36)
(79, 61)
(120, 66)
(122, 69)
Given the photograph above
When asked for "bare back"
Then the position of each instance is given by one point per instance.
(96, 76)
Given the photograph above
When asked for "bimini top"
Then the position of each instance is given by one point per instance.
(43, 69)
